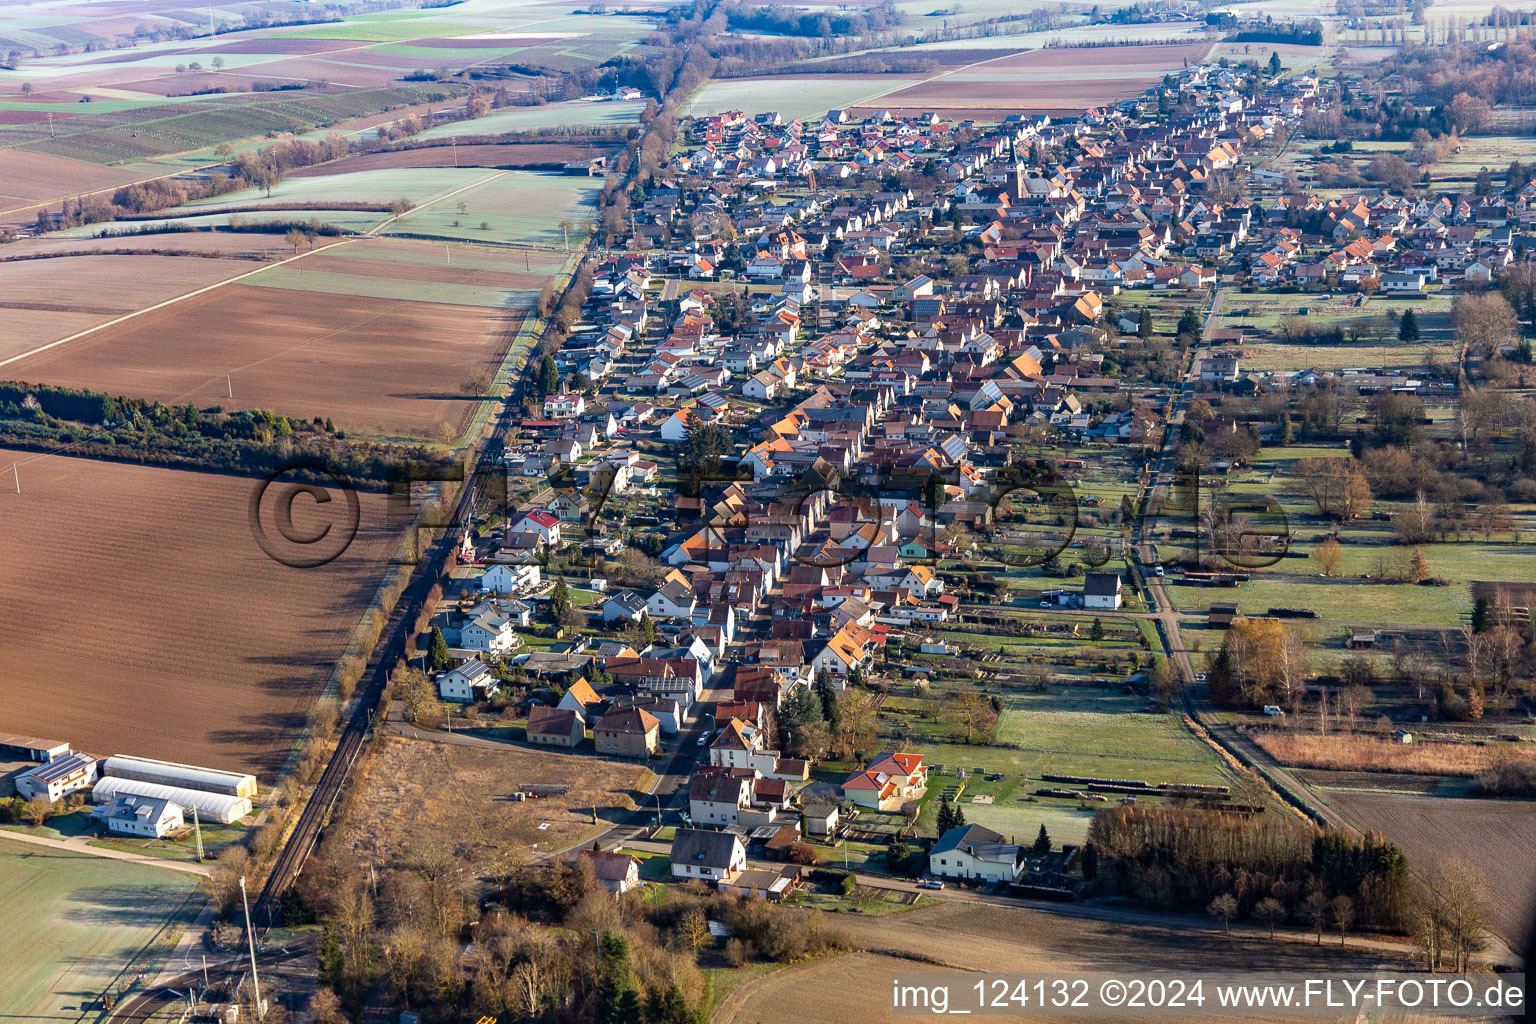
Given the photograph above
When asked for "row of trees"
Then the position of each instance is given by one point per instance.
(1184, 859)
(246, 441)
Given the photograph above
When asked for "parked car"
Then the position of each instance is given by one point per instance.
(930, 883)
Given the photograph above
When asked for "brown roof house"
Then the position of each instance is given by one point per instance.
(627, 732)
(619, 872)
(556, 727)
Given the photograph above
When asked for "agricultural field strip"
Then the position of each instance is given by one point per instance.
(161, 177)
(219, 284)
(159, 305)
(964, 71)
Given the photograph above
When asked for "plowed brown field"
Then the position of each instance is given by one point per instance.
(1495, 836)
(142, 618)
(969, 937)
(94, 289)
(375, 365)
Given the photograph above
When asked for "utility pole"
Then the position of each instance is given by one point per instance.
(50, 124)
(16, 472)
(230, 384)
(250, 939)
(197, 830)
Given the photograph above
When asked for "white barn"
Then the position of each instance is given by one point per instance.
(182, 776)
(220, 807)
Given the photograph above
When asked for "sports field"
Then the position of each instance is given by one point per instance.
(69, 922)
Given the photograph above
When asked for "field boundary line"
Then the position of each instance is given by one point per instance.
(167, 302)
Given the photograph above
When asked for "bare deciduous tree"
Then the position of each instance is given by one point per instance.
(1269, 911)
(1222, 908)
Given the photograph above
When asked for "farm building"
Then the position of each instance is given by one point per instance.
(59, 777)
(180, 776)
(30, 748)
(140, 815)
(1221, 614)
(219, 807)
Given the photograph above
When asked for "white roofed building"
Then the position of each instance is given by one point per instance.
(220, 807)
(183, 776)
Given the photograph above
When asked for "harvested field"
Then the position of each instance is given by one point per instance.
(242, 245)
(375, 365)
(401, 803)
(272, 44)
(1047, 79)
(551, 115)
(803, 96)
(979, 937)
(27, 179)
(95, 289)
(480, 40)
(1378, 754)
(69, 922)
(184, 641)
(1494, 836)
(502, 156)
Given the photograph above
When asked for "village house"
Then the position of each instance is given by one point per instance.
(710, 856)
(555, 727)
(627, 732)
(472, 681)
(974, 853)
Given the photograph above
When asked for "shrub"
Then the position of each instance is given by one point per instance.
(1509, 778)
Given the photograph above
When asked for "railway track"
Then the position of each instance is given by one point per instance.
(388, 653)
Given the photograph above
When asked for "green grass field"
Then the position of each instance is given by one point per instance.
(1339, 600)
(1019, 818)
(515, 206)
(1079, 731)
(416, 184)
(69, 922)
